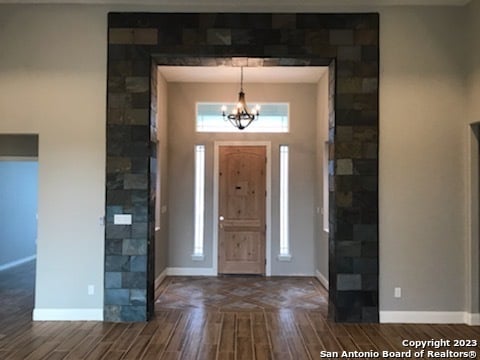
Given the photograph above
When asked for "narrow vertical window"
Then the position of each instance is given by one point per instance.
(326, 225)
(199, 201)
(284, 213)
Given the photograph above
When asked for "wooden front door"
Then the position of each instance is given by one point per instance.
(241, 223)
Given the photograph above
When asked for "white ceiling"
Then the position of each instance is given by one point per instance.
(240, 5)
(229, 74)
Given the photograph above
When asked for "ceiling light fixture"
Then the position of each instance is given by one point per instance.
(240, 117)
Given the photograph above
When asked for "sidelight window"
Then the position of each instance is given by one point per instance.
(284, 213)
(199, 202)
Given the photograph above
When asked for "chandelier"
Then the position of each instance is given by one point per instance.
(240, 117)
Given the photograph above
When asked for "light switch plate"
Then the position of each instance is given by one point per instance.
(122, 219)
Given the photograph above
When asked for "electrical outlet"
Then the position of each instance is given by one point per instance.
(91, 289)
(397, 292)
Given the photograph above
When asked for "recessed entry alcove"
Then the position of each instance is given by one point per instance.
(346, 43)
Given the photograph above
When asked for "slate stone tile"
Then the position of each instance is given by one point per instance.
(370, 249)
(119, 68)
(118, 165)
(365, 233)
(370, 314)
(134, 280)
(115, 181)
(341, 37)
(365, 167)
(117, 296)
(116, 84)
(344, 183)
(343, 265)
(349, 249)
(284, 21)
(113, 280)
(140, 100)
(343, 199)
(140, 230)
(370, 216)
(138, 297)
(346, 69)
(136, 181)
(115, 116)
(141, 133)
(140, 68)
(366, 37)
(369, 85)
(117, 52)
(365, 134)
(346, 150)
(365, 266)
(118, 197)
(368, 117)
(113, 246)
(368, 183)
(136, 313)
(366, 69)
(349, 282)
(138, 263)
(137, 149)
(370, 282)
(365, 102)
(344, 167)
(136, 84)
(134, 247)
(291, 37)
(352, 53)
(370, 151)
(348, 216)
(139, 197)
(119, 100)
(219, 37)
(365, 199)
(117, 231)
(344, 134)
(369, 53)
(114, 263)
(343, 232)
(140, 214)
(137, 116)
(112, 313)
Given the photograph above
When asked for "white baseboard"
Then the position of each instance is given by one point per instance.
(472, 319)
(158, 282)
(323, 280)
(17, 262)
(67, 314)
(180, 271)
(428, 317)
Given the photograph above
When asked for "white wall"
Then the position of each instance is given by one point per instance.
(53, 82)
(422, 102)
(321, 241)
(301, 139)
(473, 170)
(161, 233)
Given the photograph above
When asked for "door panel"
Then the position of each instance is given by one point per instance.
(242, 191)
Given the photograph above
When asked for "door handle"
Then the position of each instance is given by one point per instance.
(221, 218)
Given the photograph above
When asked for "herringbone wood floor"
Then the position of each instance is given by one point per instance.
(206, 318)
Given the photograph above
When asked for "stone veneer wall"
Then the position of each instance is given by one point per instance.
(348, 43)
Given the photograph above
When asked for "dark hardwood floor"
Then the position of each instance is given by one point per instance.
(207, 318)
